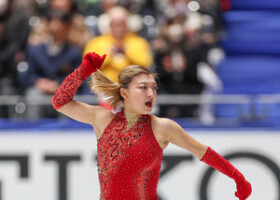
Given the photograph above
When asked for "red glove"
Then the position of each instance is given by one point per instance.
(66, 91)
(213, 159)
(92, 62)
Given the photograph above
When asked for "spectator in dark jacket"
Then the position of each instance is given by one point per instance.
(51, 61)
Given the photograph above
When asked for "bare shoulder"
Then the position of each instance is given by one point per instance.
(164, 124)
(166, 127)
(162, 128)
(102, 118)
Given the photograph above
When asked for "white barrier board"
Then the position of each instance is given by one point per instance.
(61, 165)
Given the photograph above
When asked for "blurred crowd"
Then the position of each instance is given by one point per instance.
(42, 41)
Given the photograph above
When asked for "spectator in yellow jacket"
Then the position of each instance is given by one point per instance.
(122, 46)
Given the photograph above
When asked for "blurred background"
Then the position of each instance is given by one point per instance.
(218, 63)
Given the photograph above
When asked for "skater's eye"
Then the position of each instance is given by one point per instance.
(143, 87)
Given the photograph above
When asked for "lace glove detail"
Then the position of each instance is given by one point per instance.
(213, 159)
(68, 88)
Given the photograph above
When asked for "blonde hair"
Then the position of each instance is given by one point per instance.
(100, 84)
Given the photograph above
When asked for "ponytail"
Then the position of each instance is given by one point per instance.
(100, 84)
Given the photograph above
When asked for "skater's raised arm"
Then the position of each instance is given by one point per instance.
(63, 99)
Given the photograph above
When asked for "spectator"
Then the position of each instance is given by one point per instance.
(122, 46)
(134, 22)
(51, 61)
(14, 31)
(79, 34)
(178, 54)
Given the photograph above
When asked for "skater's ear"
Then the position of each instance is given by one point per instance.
(123, 93)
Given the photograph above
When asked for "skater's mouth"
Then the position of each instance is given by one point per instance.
(149, 104)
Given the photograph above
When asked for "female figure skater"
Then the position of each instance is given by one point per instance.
(131, 142)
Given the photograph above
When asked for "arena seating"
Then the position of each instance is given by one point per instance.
(252, 65)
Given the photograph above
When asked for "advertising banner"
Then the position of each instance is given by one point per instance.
(61, 165)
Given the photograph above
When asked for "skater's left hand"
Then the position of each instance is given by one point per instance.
(244, 188)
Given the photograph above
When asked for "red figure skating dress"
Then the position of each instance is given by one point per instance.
(128, 160)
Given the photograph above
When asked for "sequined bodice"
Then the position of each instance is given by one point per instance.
(128, 160)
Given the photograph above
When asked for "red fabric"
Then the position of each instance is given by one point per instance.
(106, 105)
(69, 86)
(92, 61)
(128, 160)
(216, 161)
(225, 5)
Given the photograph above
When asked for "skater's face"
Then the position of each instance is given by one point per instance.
(141, 94)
